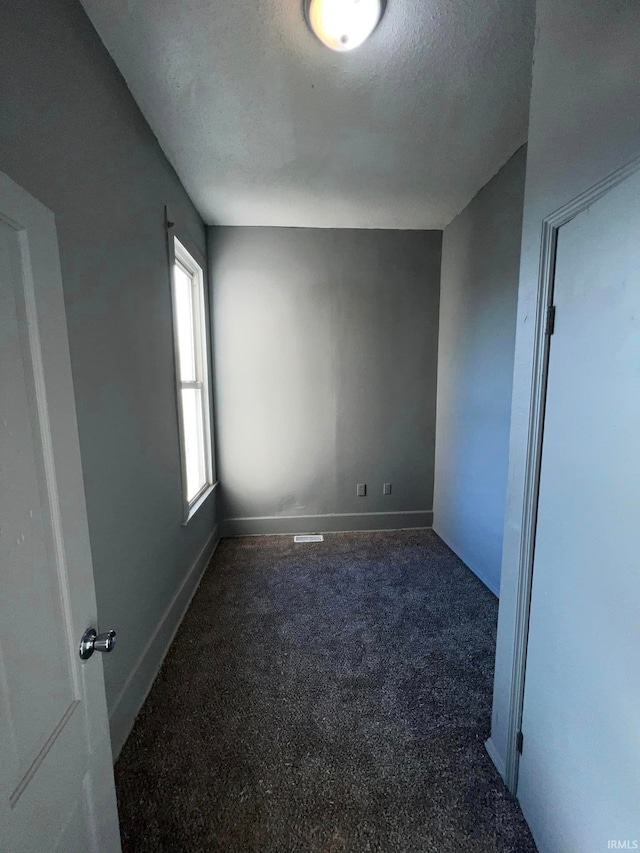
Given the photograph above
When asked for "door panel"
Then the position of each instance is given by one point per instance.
(55, 742)
(27, 546)
(579, 777)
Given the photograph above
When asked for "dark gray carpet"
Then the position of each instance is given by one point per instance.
(331, 697)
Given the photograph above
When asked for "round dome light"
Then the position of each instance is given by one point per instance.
(343, 24)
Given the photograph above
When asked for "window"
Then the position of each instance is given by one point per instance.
(192, 374)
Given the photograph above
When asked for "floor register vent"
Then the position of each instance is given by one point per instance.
(309, 537)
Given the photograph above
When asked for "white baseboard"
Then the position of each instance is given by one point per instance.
(135, 690)
(489, 584)
(331, 523)
(495, 756)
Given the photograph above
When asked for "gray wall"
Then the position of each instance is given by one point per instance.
(325, 353)
(478, 297)
(72, 136)
(584, 124)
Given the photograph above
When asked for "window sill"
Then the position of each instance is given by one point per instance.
(195, 506)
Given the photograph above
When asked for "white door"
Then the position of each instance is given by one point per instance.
(579, 778)
(56, 774)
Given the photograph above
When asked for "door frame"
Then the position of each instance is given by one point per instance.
(539, 372)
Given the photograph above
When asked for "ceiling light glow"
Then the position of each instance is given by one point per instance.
(343, 24)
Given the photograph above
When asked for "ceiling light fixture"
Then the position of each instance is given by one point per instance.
(343, 24)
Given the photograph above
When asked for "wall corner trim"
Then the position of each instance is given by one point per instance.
(496, 758)
(490, 585)
(136, 688)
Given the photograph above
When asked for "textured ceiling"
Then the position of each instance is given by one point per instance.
(266, 126)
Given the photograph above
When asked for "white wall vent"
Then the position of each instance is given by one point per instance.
(309, 537)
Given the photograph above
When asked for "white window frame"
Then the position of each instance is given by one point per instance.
(181, 257)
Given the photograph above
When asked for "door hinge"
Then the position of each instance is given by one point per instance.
(519, 742)
(551, 320)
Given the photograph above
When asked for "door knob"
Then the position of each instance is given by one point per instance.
(93, 642)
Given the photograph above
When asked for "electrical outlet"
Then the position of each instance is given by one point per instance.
(361, 490)
(386, 489)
